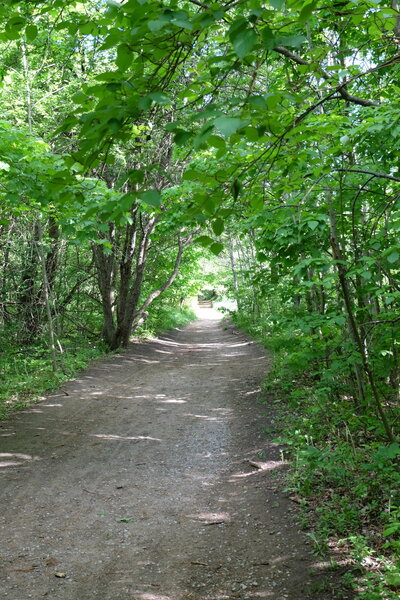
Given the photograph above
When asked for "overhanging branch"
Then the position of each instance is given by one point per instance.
(372, 173)
(341, 88)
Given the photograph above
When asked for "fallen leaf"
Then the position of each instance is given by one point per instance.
(296, 499)
(51, 562)
(60, 575)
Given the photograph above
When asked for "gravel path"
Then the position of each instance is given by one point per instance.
(135, 481)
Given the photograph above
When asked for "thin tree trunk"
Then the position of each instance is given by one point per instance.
(156, 293)
(28, 91)
(46, 296)
(337, 255)
(105, 265)
(234, 274)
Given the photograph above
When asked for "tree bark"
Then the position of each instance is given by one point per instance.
(353, 327)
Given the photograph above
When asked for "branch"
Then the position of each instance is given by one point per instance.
(282, 206)
(341, 89)
(285, 52)
(355, 99)
(372, 173)
(150, 299)
(382, 321)
(201, 4)
(69, 297)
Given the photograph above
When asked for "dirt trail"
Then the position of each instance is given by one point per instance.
(134, 481)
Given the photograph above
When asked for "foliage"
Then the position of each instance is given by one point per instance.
(165, 317)
(26, 374)
(347, 477)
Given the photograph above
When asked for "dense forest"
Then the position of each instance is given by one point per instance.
(142, 142)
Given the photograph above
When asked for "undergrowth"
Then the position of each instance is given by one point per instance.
(26, 372)
(165, 317)
(344, 473)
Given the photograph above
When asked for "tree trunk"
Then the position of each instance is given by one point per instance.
(234, 275)
(105, 265)
(46, 296)
(341, 270)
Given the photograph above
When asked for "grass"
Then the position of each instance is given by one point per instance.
(344, 472)
(26, 372)
(165, 317)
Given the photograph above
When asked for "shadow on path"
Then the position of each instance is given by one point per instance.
(135, 481)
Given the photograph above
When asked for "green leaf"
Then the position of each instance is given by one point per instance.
(293, 41)
(156, 25)
(268, 38)
(180, 19)
(126, 202)
(307, 11)
(215, 141)
(88, 28)
(204, 240)
(124, 57)
(393, 450)
(151, 197)
(16, 23)
(385, 453)
(251, 134)
(228, 125)
(31, 32)
(67, 124)
(236, 188)
(257, 101)
(366, 275)
(278, 4)
(193, 175)
(217, 226)
(135, 175)
(79, 98)
(244, 42)
(339, 320)
(393, 579)
(391, 529)
(114, 124)
(216, 248)
(257, 203)
(312, 224)
(181, 136)
(200, 140)
(160, 98)
(172, 126)
(393, 257)
(272, 99)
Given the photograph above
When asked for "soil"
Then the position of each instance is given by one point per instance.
(153, 477)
